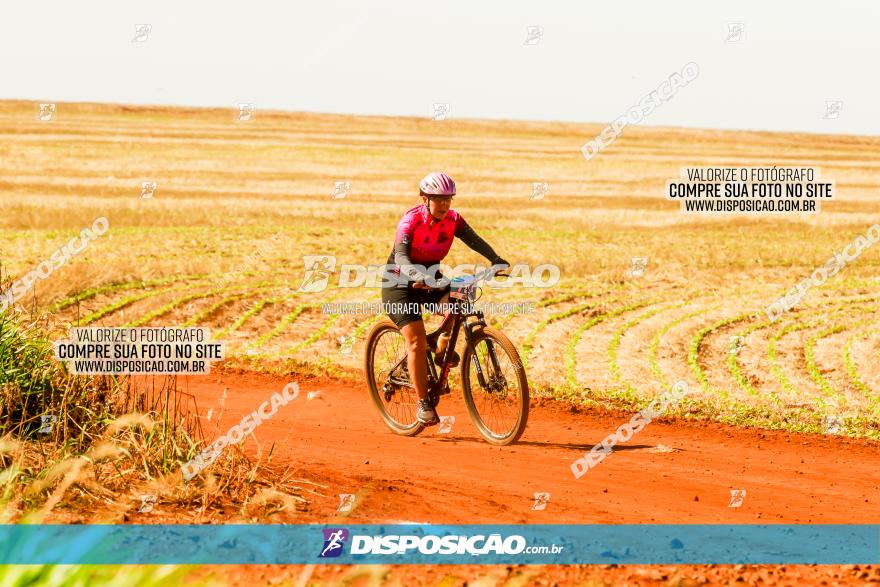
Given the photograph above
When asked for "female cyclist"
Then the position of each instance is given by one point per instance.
(424, 236)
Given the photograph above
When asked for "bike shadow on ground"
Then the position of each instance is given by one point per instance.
(562, 445)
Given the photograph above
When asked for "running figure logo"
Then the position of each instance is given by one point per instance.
(833, 424)
(246, 111)
(148, 189)
(340, 189)
(735, 344)
(539, 189)
(346, 502)
(334, 541)
(147, 503)
(541, 500)
(737, 496)
(735, 32)
(446, 423)
(47, 111)
(47, 421)
(318, 270)
(832, 109)
(637, 267)
(142, 33)
(346, 343)
(533, 35)
(440, 111)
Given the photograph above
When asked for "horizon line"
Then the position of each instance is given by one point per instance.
(427, 118)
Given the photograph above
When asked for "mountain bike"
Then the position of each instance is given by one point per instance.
(493, 379)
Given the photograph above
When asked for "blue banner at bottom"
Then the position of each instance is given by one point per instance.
(440, 544)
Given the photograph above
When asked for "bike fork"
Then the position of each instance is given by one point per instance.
(490, 349)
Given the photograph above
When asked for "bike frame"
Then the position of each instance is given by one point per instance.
(458, 318)
(438, 383)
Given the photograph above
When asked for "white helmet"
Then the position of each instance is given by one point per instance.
(437, 184)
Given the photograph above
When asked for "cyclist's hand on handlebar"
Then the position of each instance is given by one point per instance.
(439, 283)
(425, 287)
(500, 267)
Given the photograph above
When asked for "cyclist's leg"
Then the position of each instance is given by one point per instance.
(408, 302)
(440, 301)
(414, 335)
(401, 304)
(416, 361)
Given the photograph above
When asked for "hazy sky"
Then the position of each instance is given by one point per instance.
(593, 61)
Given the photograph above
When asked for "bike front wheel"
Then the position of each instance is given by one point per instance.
(495, 387)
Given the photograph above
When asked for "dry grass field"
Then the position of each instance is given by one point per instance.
(221, 243)
(238, 204)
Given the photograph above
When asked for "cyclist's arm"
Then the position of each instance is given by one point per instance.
(469, 237)
(401, 258)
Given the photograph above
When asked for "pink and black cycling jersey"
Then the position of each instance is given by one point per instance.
(423, 240)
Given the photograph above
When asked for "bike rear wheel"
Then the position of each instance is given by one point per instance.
(499, 404)
(392, 391)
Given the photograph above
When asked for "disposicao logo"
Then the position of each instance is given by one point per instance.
(334, 542)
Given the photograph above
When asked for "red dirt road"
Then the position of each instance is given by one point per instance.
(337, 439)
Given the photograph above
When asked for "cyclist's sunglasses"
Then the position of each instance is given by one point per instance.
(439, 198)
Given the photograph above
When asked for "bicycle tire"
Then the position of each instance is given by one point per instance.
(501, 340)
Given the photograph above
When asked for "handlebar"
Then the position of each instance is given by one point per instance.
(483, 275)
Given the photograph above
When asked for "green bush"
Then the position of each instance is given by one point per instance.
(26, 373)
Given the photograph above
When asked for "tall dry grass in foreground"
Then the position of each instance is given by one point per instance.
(87, 449)
(71, 445)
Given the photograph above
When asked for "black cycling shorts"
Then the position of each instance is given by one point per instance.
(409, 296)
